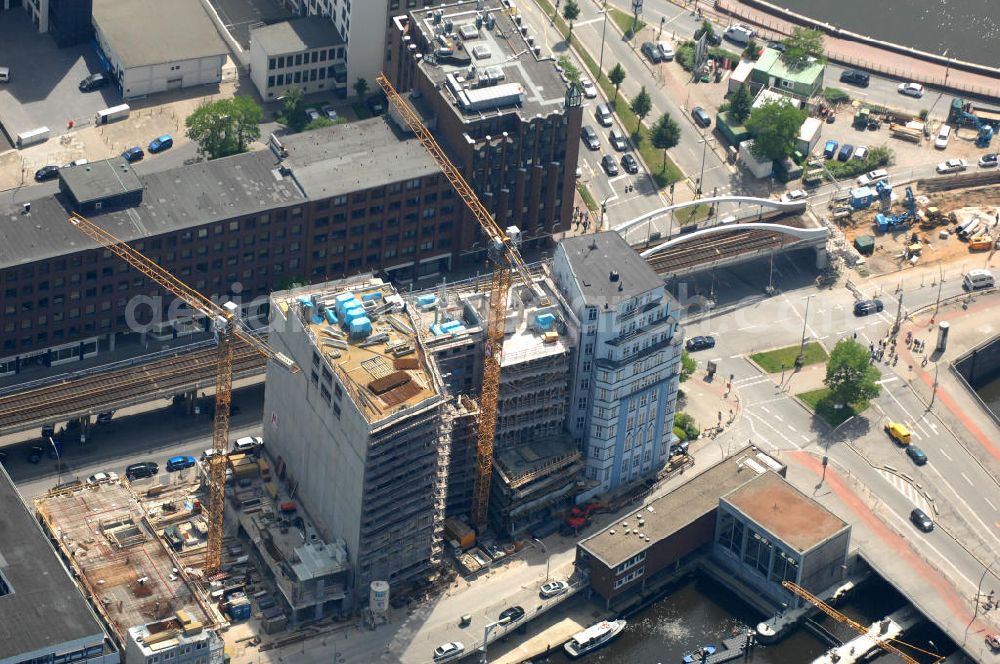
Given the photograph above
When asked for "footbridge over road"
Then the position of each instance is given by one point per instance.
(770, 226)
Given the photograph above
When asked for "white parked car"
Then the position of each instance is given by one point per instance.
(76, 162)
(589, 89)
(667, 50)
(794, 195)
(102, 477)
(911, 89)
(871, 177)
(860, 152)
(312, 114)
(952, 166)
(248, 444)
(448, 651)
(553, 588)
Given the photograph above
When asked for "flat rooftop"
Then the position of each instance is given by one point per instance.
(152, 32)
(296, 35)
(353, 157)
(508, 75)
(521, 464)
(607, 269)
(41, 605)
(384, 367)
(681, 506)
(100, 179)
(175, 199)
(785, 512)
(124, 565)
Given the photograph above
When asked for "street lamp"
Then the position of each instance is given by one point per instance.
(604, 31)
(704, 151)
(802, 347)
(604, 208)
(486, 636)
(979, 591)
(59, 464)
(545, 550)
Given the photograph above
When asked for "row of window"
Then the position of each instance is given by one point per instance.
(630, 577)
(299, 59)
(75, 656)
(306, 76)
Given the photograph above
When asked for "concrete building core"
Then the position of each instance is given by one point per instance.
(362, 432)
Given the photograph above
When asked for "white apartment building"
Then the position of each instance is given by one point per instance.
(628, 362)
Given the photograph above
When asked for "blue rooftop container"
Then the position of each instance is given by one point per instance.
(426, 300)
(361, 327)
(377, 295)
(545, 321)
(331, 317)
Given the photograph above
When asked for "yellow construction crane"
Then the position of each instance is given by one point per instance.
(506, 261)
(228, 328)
(856, 626)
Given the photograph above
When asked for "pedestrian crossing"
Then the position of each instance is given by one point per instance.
(907, 489)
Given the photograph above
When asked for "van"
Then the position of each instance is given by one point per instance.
(248, 444)
(4, 74)
(738, 34)
(603, 115)
(977, 279)
(944, 133)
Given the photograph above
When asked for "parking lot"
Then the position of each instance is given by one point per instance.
(43, 88)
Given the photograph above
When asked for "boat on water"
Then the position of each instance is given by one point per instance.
(593, 637)
(700, 654)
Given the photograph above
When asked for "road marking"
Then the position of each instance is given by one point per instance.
(747, 327)
(966, 478)
(907, 489)
(842, 332)
(990, 503)
(793, 428)
(805, 437)
(735, 357)
(716, 359)
(887, 380)
(599, 19)
(765, 409)
(778, 417)
(945, 455)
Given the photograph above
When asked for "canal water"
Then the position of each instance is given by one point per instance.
(700, 611)
(968, 29)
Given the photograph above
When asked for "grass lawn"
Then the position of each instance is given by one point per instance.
(691, 214)
(588, 198)
(626, 21)
(771, 361)
(817, 400)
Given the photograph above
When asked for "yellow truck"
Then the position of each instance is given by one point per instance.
(898, 432)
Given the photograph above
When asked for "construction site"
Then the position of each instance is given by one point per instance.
(118, 548)
(929, 222)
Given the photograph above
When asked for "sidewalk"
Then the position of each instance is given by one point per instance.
(854, 53)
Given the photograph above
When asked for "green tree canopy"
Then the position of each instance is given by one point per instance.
(850, 375)
(570, 70)
(775, 128)
(740, 104)
(706, 27)
(571, 11)
(802, 44)
(360, 87)
(293, 109)
(225, 126)
(666, 134)
(641, 106)
(616, 76)
(688, 365)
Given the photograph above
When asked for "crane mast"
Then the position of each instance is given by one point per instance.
(227, 327)
(507, 262)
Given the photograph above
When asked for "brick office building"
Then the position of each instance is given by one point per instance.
(500, 108)
(325, 204)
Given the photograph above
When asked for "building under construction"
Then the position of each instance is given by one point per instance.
(536, 464)
(363, 440)
(125, 567)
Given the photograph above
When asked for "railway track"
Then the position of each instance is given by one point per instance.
(738, 243)
(100, 392)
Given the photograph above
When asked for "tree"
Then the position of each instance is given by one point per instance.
(850, 375)
(801, 45)
(666, 134)
(706, 27)
(570, 70)
(571, 11)
(688, 365)
(361, 87)
(293, 109)
(740, 105)
(616, 76)
(751, 50)
(225, 127)
(641, 106)
(775, 129)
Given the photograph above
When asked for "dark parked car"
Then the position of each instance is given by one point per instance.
(94, 82)
(376, 104)
(161, 143)
(46, 173)
(653, 52)
(609, 165)
(916, 454)
(48, 430)
(133, 154)
(179, 463)
(846, 150)
(105, 417)
(866, 307)
(921, 520)
(35, 454)
(701, 117)
(142, 469)
(700, 343)
(512, 615)
(629, 163)
(855, 77)
(589, 136)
